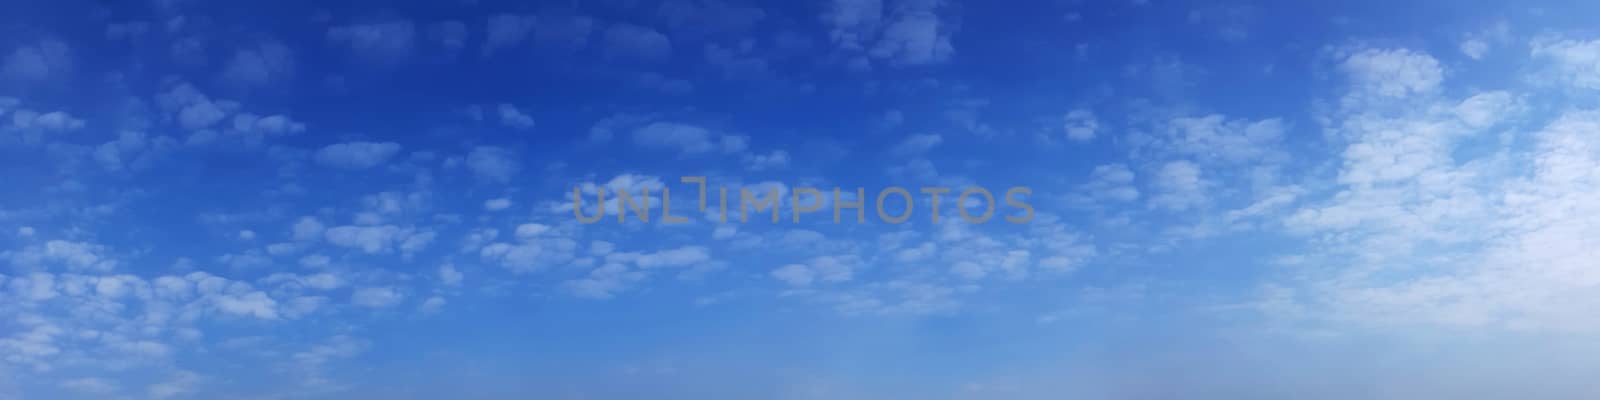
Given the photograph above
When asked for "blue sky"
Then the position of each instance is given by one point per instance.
(1231, 200)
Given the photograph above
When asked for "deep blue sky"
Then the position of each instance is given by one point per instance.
(1231, 200)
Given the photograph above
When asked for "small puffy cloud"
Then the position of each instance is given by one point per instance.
(1392, 72)
(252, 304)
(1112, 182)
(604, 282)
(506, 30)
(315, 261)
(382, 41)
(601, 248)
(1081, 125)
(1214, 138)
(852, 23)
(193, 109)
(758, 162)
(377, 297)
(734, 144)
(357, 155)
(57, 121)
(90, 386)
(181, 383)
(679, 257)
(1476, 45)
(307, 228)
(916, 145)
(909, 33)
(432, 305)
(379, 239)
(494, 164)
(1485, 109)
(916, 35)
(1474, 48)
(272, 125)
(32, 126)
(636, 43)
(497, 204)
(37, 62)
(449, 275)
(686, 139)
(796, 275)
(266, 63)
(531, 231)
(530, 255)
(511, 117)
(1180, 186)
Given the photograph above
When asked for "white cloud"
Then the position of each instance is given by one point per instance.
(497, 204)
(1215, 139)
(272, 125)
(1518, 260)
(759, 162)
(181, 383)
(530, 255)
(687, 139)
(853, 23)
(266, 63)
(91, 386)
(376, 297)
(1571, 62)
(679, 257)
(915, 145)
(511, 117)
(449, 275)
(253, 304)
(1081, 125)
(381, 41)
(1180, 187)
(908, 32)
(1474, 48)
(636, 43)
(915, 36)
(307, 228)
(37, 62)
(1485, 109)
(493, 164)
(193, 109)
(734, 144)
(1392, 72)
(315, 261)
(379, 239)
(531, 231)
(357, 155)
(432, 305)
(1111, 182)
(76, 256)
(57, 121)
(604, 282)
(506, 31)
(1478, 44)
(797, 275)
